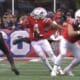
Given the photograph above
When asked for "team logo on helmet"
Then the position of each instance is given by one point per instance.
(39, 13)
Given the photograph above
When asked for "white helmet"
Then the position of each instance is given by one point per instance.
(39, 13)
(77, 15)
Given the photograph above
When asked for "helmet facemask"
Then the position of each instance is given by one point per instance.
(39, 13)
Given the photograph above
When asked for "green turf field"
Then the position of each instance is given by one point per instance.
(33, 71)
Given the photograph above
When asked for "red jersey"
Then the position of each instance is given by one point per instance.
(57, 16)
(38, 25)
(70, 20)
(67, 37)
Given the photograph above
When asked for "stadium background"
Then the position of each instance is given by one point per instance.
(30, 69)
(25, 7)
(22, 49)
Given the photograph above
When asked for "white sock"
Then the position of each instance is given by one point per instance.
(47, 64)
(58, 59)
(73, 64)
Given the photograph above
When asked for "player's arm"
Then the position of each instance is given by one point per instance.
(24, 21)
(25, 39)
(71, 31)
(54, 25)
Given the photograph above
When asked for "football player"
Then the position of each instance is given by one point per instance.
(71, 34)
(6, 51)
(40, 28)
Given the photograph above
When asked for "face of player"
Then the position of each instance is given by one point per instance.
(78, 20)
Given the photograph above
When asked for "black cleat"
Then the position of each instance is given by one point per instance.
(15, 71)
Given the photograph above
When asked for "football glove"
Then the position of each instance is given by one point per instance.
(27, 40)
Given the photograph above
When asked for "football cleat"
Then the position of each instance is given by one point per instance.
(54, 73)
(68, 72)
(15, 71)
(60, 71)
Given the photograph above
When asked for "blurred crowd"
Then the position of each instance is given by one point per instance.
(9, 21)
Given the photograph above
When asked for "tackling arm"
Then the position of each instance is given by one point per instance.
(27, 40)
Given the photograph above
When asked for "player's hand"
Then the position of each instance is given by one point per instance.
(37, 35)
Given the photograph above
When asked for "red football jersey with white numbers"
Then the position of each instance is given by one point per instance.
(39, 26)
(66, 35)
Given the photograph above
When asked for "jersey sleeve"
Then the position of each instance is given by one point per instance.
(25, 22)
(47, 21)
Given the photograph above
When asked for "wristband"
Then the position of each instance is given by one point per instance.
(21, 22)
(78, 32)
(54, 22)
